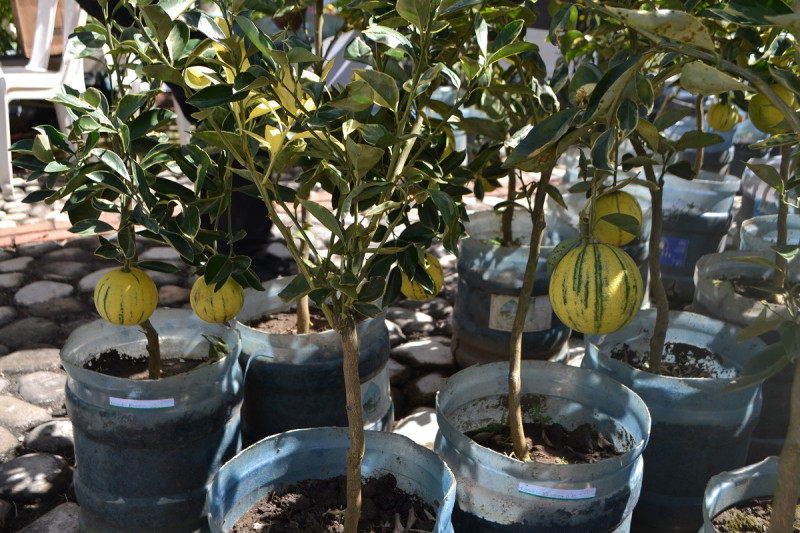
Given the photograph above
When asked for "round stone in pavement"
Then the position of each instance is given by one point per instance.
(11, 280)
(427, 352)
(25, 361)
(43, 388)
(29, 331)
(42, 291)
(59, 308)
(18, 416)
(62, 519)
(88, 282)
(72, 253)
(8, 445)
(55, 436)
(7, 314)
(18, 264)
(64, 270)
(33, 477)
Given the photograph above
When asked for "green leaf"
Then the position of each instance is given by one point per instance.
(624, 222)
(178, 40)
(323, 216)
(627, 117)
(385, 88)
(157, 21)
(158, 266)
(129, 104)
(363, 156)
(445, 204)
(109, 181)
(603, 148)
(759, 367)
(675, 25)
(357, 96)
(610, 90)
(179, 243)
(768, 174)
(112, 161)
(218, 269)
(682, 169)
(482, 34)
(205, 24)
(391, 38)
(559, 251)
(298, 54)
(697, 139)
(148, 121)
(42, 149)
(216, 95)
(417, 12)
(296, 289)
(644, 90)
(510, 50)
(173, 8)
(90, 226)
(670, 117)
(542, 136)
(359, 52)
(256, 36)
(372, 289)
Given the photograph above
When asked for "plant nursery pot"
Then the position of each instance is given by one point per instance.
(699, 429)
(320, 453)
(496, 493)
(761, 233)
(489, 281)
(146, 450)
(697, 215)
(296, 381)
(730, 488)
(719, 300)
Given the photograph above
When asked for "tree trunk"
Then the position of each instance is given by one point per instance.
(346, 328)
(153, 350)
(515, 358)
(788, 487)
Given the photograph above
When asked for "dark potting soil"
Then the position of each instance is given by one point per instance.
(549, 443)
(750, 516)
(286, 323)
(113, 363)
(317, 506)
(680, 360)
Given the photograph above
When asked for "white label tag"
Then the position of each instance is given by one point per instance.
(165, 403)
(503, 309)
(557, 494)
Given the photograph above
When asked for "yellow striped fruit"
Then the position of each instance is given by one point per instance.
(617, 202)
(216, 306)
(414, 290)
(596, 289)
(722, 117)
(125, 297)
(766, 116)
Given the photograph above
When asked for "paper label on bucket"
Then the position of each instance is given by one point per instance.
(127, 403)
(503, 308)
(673, 251)
(557, 494)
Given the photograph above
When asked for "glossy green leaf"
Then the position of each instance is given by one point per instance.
(218, 269)
(296, 289)
(129, 104)
(112, 161)
(90, 226)
(385, 89)
(173, 8)
(157, 21)
(697, 139)
(325, 217)
(159, 266)
(417, 12)
(627, 117)
(542, 136)
(768, 174)
(391, 38)
(215, 95)
(603, 149)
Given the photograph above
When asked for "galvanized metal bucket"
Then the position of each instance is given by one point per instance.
(320, 453)
(489, 280)
(146, 449)
(496, 493)
(699, 429)
(296, 381)
(729, 488)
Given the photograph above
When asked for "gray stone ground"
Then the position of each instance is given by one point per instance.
(45, 292)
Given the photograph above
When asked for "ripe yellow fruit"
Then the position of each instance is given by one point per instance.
(722, 117)
(766, 116)
(596, 289)
(413, 290)
(619, 202)
(216, 306)
(125, 297)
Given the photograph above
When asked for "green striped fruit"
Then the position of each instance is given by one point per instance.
(619, 202)
(125, 297)
(216, 305)
(596, 289)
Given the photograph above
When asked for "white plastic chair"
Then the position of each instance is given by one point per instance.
(35, 82)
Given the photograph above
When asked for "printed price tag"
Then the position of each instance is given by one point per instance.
(127, 403)
(503, 309)
(557, 494)
(674, 251)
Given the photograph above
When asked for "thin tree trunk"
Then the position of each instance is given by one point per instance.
(783, 213)
(153, 350)
(698, 111)
(508, 214)
(347, 331)
(785, 500)
(515, 360)
(659, 294)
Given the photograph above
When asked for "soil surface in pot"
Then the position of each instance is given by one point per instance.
(680, 360)
(549, 443)
(751, 516)
(286, 323)
(317, 506)
(113, 363)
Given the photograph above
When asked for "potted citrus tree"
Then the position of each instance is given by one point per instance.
(639, 69)
(153, 395)
(388, 165)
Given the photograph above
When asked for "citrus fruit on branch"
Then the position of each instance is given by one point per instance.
(125, 297)
(616, 203)
(216, 305)
(765, 116)
(414, 290)
(596, 289)
(722, 117)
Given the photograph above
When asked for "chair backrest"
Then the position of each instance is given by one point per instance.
(43, 36)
